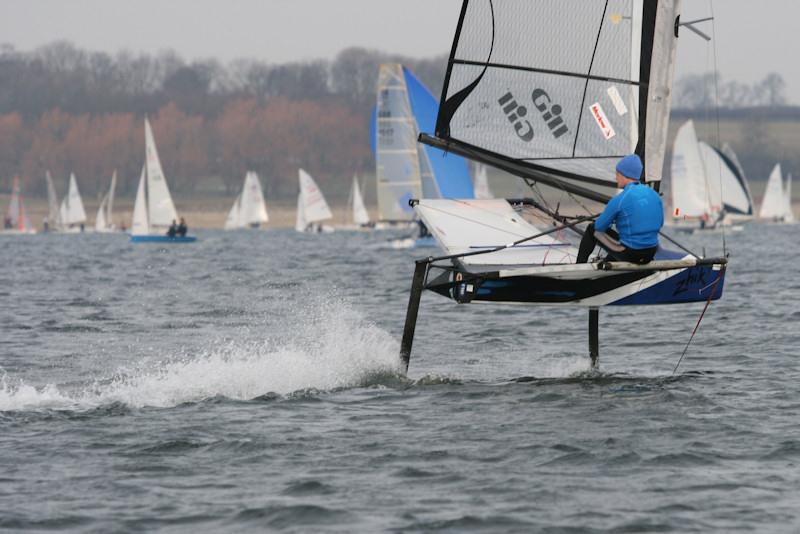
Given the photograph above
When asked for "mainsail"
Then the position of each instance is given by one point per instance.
(557, 92)
(311, 205)
(140, 224)
(17, 216)
(53, 212)
(777, 204)
(404, 169)
(730, 186)
(160, 208)
(359, 211)
(233, 220)
(249, 209)
(72, 211)
(104, 221)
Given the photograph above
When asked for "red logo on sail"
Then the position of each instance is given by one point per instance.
(602, 121)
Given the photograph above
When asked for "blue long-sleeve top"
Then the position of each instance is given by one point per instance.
(638, 214)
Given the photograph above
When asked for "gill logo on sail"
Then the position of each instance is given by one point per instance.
(515, 114)
(550, 113)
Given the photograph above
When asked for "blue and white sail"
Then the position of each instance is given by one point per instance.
(404, 168)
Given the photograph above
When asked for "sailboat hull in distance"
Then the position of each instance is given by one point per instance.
(162, 239)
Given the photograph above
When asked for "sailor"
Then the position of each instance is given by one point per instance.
(636, 212)
(173, 229)
(182, 228)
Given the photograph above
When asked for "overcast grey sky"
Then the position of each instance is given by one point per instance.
(753, 37)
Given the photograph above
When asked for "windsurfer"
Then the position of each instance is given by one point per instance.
(636, 212)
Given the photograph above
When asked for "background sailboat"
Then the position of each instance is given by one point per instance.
(249, 209)
(104, 221)
(71, 214)
(153, 210)
(404, 168)
(16, 220)
(312, 208)
(357, 214)
(777, 202)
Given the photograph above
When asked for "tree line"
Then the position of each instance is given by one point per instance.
(66, 109)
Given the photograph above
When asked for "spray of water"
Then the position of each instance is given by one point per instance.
(323, 347)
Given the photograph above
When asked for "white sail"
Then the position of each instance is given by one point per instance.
(160, 208)
(773, 205)
(110, 203)
(736, 167)
(140, 224)
(315, 208)
(233, 221)
(253, 210)
(53, 213)
(72, 211)
(104, 221)
(398, 172)
(690, 194)
(482, 191)
(360, 214)
(787, 196)
(300, 223)
(100, 223)
(17, 215)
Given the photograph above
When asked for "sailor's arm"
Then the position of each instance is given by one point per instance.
(606, 219)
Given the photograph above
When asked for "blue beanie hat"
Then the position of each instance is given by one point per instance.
(630, 167)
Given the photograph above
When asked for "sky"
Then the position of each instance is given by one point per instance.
(752, 38)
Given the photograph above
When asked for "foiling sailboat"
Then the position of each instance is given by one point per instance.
(405, 169)
(312, 208)
(249, 209)
(153, 210)
(708, 187)
(356, 210)
(16, 219)
(72, 216)
(104, 221)
(776, 206)
(558, 111)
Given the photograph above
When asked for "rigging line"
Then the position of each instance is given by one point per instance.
(674, 242)
(586, 85)
(699, 319)
(716, 109)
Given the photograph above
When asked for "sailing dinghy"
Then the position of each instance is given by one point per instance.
(776, 206)
(71, 214)
(558, 111)
(249, 210)
(104, 221)
(356, 210)
(16, 220)
(153, 210)
(312, 208)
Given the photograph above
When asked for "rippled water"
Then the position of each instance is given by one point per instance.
(250, 382)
